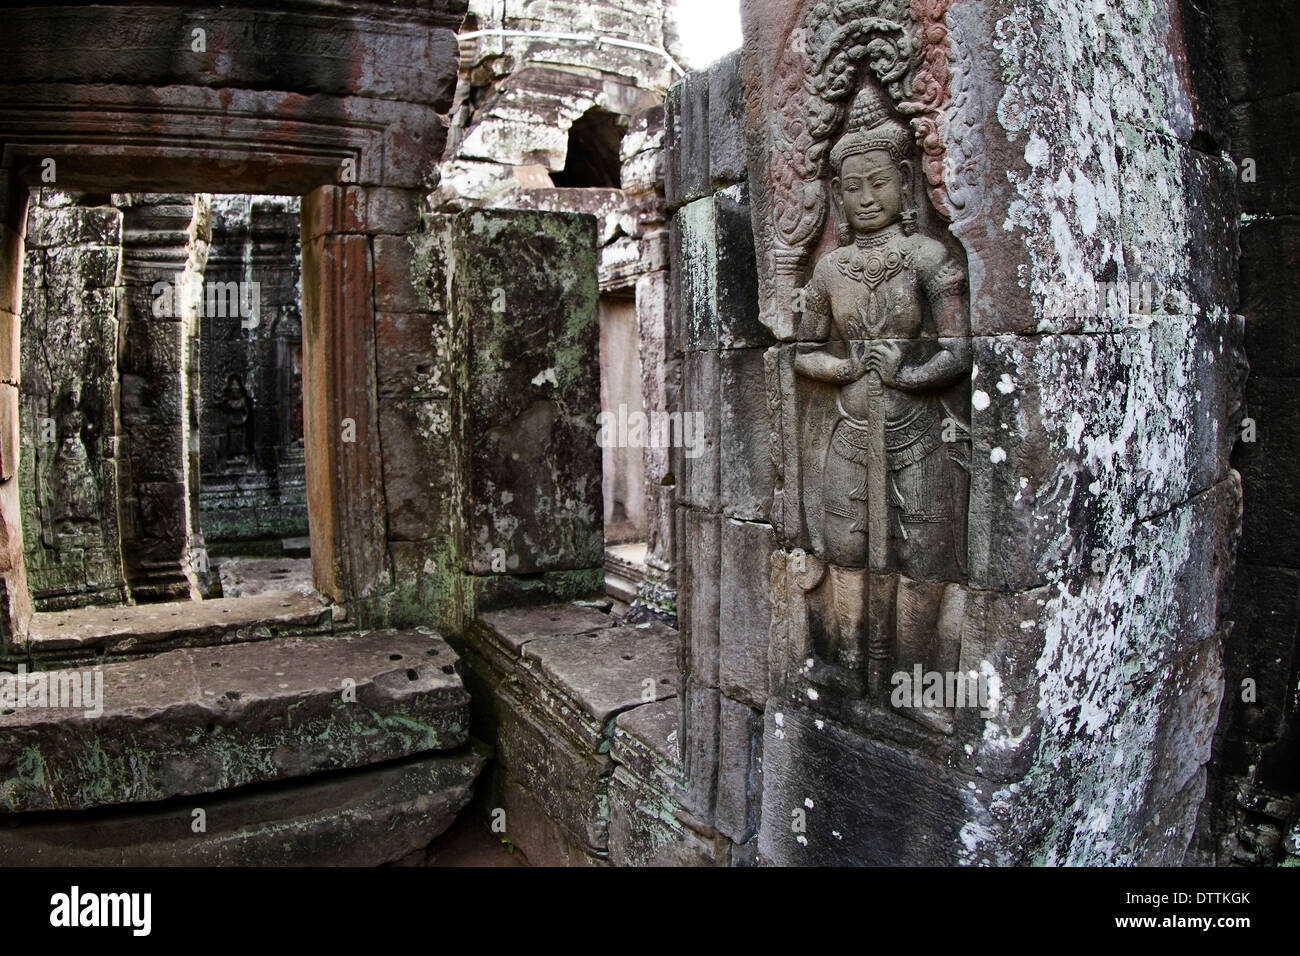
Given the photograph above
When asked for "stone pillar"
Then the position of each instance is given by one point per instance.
(165, 242)
(15, 600)
(525, 402)
(723, 469)
(643, 180)
(341, 284)
(69, 472)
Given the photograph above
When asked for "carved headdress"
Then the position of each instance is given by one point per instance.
(870, 125)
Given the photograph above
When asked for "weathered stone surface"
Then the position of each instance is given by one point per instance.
(1267, 531)
(695, 282)
(395, 289)
(366, 210)
(701, 464)
(557, 681)
(736, 283)
(1262, 135)
(1270, 251)
(560, 778)
(67, 364)
(413, 352)
(528, 338)
(645, 829)
(740, 773)
(834, 798)
(745, 616)
(647, 741)
(244, 48)
(700, 751)
(428, 588)
(1261, 650)
(1117, 454)
(727, 160)
(148, 627)
(746, 479)
(364, 817)
(687, 176)
(518, 626)
(610, 670)
(532, 828)
(344, 466)
(197, 721)
(701, 595)
(415, 434)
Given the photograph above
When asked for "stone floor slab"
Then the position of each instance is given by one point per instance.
(202, 720)
(364, 817)
(147, 627)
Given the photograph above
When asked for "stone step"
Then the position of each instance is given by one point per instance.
(202, 720)
(363, 817)
(145, 628)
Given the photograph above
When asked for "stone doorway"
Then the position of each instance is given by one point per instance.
(307, 125)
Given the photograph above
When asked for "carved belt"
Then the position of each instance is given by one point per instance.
(907, 440)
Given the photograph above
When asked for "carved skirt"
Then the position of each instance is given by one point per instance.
(925, 487)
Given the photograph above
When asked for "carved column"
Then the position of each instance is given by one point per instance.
(165, 240)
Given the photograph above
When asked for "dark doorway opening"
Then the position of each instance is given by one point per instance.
(593, 161)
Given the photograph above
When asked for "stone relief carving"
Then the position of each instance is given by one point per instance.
(74, 493)
(906, 47)
(871, 407)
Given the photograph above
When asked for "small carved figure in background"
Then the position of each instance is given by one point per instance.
(237, 408)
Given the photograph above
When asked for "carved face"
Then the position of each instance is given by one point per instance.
(870, 188)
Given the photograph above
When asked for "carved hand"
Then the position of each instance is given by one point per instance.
(859, 359)
(884, 359)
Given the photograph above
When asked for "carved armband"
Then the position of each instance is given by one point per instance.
(939, 371)
(948, 281)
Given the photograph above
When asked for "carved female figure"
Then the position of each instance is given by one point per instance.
(885, 321)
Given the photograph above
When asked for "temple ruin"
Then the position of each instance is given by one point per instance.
(872, 449)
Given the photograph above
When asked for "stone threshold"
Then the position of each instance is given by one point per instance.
(624, 570)
(152, 627)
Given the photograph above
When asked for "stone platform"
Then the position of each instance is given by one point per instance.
(585, 713)
(202, 720)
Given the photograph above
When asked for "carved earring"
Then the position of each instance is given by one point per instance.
(842, 230)
(908, 215)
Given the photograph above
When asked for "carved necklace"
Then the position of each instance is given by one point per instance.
(875, 260)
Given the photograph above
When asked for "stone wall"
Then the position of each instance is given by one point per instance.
(558, 109)
(724, 535)
(1059, 150)
(1257, 792)
(69, 426)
